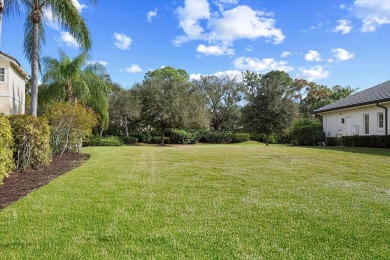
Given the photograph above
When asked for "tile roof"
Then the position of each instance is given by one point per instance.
(379, 93)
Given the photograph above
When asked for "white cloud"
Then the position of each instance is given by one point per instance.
(215, 50)
(122, 41)
(313, 73)
(342, 6)
(151, 15)
(104, 63)
(285, 54)
(79, 6)
(330, 60)
(342, 54)
(254, 64)
(68, 39)
(225, 26)
(313, 56)
(230, 73)
(344, 27)
(134, 68)
(373, 13)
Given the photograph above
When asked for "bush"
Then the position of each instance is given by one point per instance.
(306, 131)
(70, 124)
(104, 141)
(130, 140)
(216, 137)
(272, 139)
(240, 137)
(6, 144)
(185, 137)
(157, 139)
(377, 141)
(31, 141)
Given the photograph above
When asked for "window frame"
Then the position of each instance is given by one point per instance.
(2, 74)
(381, 120)
(366, 124)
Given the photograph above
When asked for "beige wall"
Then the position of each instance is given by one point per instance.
(12, 91)
(353, 121)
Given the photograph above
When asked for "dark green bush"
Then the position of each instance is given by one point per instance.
(378, 141)
(157, 139)
(216, 137)
(306, 131)
(272, 139)
(186, 137)
(130, 140)
(104, 141)
(240, 137)
(6, 144)
(31, 141)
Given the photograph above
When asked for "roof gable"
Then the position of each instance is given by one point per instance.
(379, 93)
(15, 63)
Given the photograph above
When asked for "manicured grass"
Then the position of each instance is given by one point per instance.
(208, 201)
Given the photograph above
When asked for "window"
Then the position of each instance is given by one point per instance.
(380, 120)
(366, 120)
(2, 74)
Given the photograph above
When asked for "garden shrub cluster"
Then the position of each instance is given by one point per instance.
(241, 137)
(31, 137)
(376, 141)
(104, 141)
(306, 131)
(70, 124)
(186, 137)
(6, 144)
(216, 137)
(130, 140)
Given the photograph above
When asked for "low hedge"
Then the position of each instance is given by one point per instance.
(31, 141)
(186, 137)
(216, 137)
(240, 137)
(376, 141)
(6, 144)
(104, 141)
(130, 140)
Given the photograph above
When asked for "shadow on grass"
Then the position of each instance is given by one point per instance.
(360, 150)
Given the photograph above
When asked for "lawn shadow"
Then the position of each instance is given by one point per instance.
(360, 150)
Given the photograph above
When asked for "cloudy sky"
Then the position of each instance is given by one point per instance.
(331, 42)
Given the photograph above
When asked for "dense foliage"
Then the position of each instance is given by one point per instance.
(6, 144)
(69, 123)
(378, 141)
(306, 131)
(240, 137)
(31, 141)
(104, 141)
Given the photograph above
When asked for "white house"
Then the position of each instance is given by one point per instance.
(13, 79)
(364, 113)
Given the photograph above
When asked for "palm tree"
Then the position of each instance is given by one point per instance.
(75, 80)
(7, 7)
(66, 15)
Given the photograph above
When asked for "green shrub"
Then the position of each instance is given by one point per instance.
(306, 131)
(6, 144)
(70, 124)
(377, 141)
(272, 139)
(216, 137)
(104, 141)
(240, 137)
(186, 137)
(31, 141)
(157, 139)
(130, 140)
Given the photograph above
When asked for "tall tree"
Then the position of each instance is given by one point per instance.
(223, 95)
(75, 80)
(65, 13)
(7, 7)
(169, 101)
(271, 107)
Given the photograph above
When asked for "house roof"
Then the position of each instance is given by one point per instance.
(377, 94)
(16, 64)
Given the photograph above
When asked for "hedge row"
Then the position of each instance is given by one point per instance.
(6, 143)
(377, 141)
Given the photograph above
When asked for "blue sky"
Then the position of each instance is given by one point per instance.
(330, 42)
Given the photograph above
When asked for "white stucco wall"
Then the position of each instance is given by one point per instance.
(354, 121)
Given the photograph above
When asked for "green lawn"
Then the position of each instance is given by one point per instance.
(208, 201)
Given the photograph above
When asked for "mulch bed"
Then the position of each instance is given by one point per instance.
(19, 184)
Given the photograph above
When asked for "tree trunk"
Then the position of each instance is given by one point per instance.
(126, 127)
(1, 17)
(34, 70)
(171, 136)
(162, 137)
(266, 140)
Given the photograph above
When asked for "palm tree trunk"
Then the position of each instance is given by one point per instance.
(1, 17)
(34, 71)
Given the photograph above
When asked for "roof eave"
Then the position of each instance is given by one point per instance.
(351, 106)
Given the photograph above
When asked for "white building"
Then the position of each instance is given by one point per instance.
(13, 79)
(364, 113)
